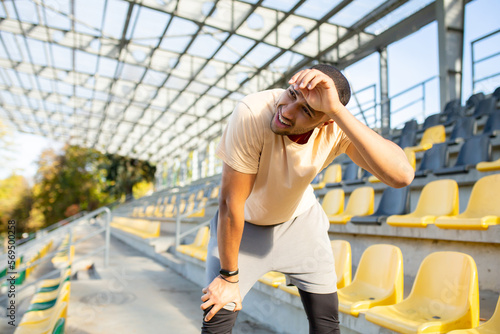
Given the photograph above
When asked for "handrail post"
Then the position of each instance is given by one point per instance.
(107, 236)
(177, 226)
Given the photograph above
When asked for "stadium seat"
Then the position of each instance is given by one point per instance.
(486, 166)
(433, 159)
(407, 139)
(333, 202)
(140, 227)
(484, 107)
(351, 172)
(364, 175)
(472, 102)
(379, 280)
(333, 174)
(360, 204)
(273, 278)
(492, 326)
(343, 262)
(438, 198)
(452, 111)
(291, 289)
(200, 241)
(473, 151)
(464, 128)
(482, 210)
(393, 202)
(444, 297)
(433, 135)
(431, 121)
(492, 125)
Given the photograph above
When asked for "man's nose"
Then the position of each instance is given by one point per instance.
(288, 110)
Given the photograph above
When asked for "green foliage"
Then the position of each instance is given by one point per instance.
(123, 173)
(16, 200)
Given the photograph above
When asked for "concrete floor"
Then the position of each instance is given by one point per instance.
(134, 294)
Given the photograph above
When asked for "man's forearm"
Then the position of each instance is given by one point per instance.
(229, 232)
(385, 158)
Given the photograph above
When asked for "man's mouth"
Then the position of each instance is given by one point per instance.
(281, 119)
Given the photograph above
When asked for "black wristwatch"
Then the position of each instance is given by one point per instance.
(228, 273)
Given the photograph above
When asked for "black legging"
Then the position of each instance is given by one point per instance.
(321, 310)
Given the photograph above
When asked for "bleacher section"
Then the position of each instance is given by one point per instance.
(438, 227)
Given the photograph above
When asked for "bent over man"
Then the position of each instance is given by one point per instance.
(274, 145)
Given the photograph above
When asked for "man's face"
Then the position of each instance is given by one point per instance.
(293, 116)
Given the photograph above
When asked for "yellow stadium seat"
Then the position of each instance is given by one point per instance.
(333, 174)
(431, 136)
(410, 155)
(438, 198)
(290, 289)
(486, 166)
(444, 297)
(48, 325)
(379, 280)
(343, 262)
(200, 242)
(482, 210)
(273, 278)
(215, 192)
(491, 326)
(333, 202)
(360, 204)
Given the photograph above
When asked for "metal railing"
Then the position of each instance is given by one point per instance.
(57, 230)
(476, 62)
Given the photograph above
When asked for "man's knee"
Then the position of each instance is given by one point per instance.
(221, 323)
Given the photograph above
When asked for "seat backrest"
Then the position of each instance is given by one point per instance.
(474, 150)
(361, 202)
(448, 279)
(201, 236)
(215, 192)
(351, 172)
(434, 158)
(464, 128)
(407, 139)
(492, 124)
(432, 135)
(452, 106)
(394, 202)
(484, 107)
(438, 198)
(431, 121)
(333, 202)
(409, 126)
(333, 174)
(343, 262)
(484, 197)
(474, 100)
(381, 265)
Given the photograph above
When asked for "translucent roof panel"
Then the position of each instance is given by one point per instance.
(154, 78)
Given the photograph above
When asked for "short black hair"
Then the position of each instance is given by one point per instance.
(340, 81)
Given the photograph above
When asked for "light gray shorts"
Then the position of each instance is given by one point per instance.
(299, 248)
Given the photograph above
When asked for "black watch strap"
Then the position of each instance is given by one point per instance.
(228, 273)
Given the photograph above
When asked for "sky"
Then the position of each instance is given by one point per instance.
(411, 60)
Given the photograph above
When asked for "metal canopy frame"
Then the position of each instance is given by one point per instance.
(155, 79)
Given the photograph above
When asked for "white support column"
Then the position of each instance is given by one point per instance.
(385, 103)
(450, 18)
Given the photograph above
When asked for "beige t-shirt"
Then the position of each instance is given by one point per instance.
(284, 168)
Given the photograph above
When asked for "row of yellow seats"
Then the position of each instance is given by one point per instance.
(140, 227)
(47, 311)
(167, 207)
(24, 274)
(198, 248)
(444, 296)
(65, 254)
(438, 204)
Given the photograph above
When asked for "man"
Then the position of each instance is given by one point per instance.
(276, 142)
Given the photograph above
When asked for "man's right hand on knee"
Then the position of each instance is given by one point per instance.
(220, 292)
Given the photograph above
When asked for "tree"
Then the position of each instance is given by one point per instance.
(16, 200)
(123, 173)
